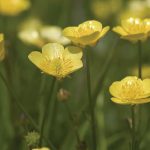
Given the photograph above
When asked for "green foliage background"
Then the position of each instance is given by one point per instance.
(112, 59)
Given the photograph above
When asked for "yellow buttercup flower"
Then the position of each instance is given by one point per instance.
(2, 49)
(56, 60)
(134, 29)
(86, 34)
(130, 90)
(13, 7)
(44, 148)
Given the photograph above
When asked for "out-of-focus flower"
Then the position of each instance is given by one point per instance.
(134, 29)
(145, 71)
(105, 9)
(57, 61)
(130, 90)
(86, 34)
(43, 148)
(29, 32)
(32, 139)
(135, 8)
(34, 32)
(54, 34)
(13, 7)
(2, 49)
(63, 95)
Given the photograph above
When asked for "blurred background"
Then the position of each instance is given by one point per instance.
(26, 28)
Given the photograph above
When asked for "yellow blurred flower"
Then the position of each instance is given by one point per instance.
(2, 49)
(34, 32)
(13, 7)
(53, 34)
(56, 60)
(135, 8)
(105, 9)
(29, 32)
(44, 148)
(86, 34)
(130, 90)
(134, 29)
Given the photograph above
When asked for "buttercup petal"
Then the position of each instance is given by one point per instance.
(71, 32)
(115, 88)
(120, 30)
(36, 58)
(104, 31)
(73, 52)
(52, 50)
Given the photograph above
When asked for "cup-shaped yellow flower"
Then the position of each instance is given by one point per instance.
(56, 60)
(13, 7)
(134, 29)
(86, 34)
(130, 90)
(2, 49)
(43, 148)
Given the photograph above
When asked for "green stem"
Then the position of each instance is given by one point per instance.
(73, 122)
(21, 107)
(104, 71)
(91, 106)
(140, 59)
(46, 111)
(133, 112)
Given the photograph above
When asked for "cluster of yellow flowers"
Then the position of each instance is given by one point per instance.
(59, 61)
(13, 7)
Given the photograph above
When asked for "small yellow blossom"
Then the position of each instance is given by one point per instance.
(13, 7)
(44, 148)
(86, 34)
(56, 60)
(134, 29)
(130, 90)
(2, 49)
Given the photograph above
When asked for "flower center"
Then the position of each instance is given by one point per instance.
(131, 89)
(59, 67)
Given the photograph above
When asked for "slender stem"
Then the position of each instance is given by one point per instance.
(91, 106)
(104, 71)
(133, 109)
(21, 107)
(46, 111)
(140, 59)
(72, 119)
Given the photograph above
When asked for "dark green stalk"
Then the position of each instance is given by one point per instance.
(46, 111)
(73, 122)
(91, 106)
(140, 59)
(133, 145)
(21, 107)
(133, 107)
(104, 71)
